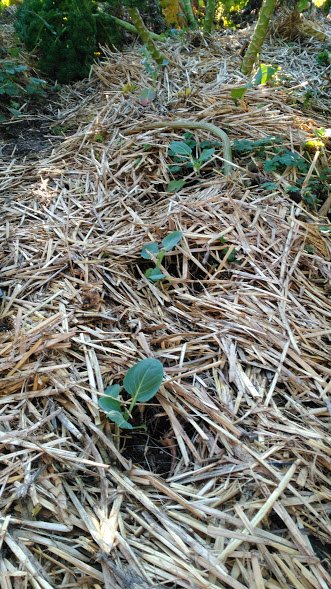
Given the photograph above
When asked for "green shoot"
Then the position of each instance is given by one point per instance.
(141, 383)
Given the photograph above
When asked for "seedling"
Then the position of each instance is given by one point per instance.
(141, 383)
(188, 154)
(263, 75)
(151, 251)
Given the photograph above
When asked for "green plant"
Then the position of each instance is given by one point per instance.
(188, 155)
(264, 74)
(286, 159)
(151, 251)
(17, 84)
(141, 383)
(324, 57)
(65, 35)
(258, 147)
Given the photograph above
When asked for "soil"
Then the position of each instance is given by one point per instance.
(27, 137)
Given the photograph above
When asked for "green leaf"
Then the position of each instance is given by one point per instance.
(154, 274)
(143, 380)
(118, 418)
(148, 249)
(206, 154)
(174, 169)
(238, 93)
(180, 148)
(264, 74)
(113, 390)
(169, 242)
(325, 229)
(110, 403)
(269, 185)
(321, 132)
(175, 185)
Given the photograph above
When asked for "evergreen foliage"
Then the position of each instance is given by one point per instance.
(65, 35)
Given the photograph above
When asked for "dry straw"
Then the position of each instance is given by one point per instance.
(245, 501)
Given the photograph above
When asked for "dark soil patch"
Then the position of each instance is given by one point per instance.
(25, 137)
(151, 449)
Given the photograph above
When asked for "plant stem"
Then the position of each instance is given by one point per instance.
(188, 11)
(182, 124)
(259, 36)
(209, 16)
(145, 36)
(131, 28)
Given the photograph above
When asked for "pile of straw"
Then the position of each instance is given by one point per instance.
(243, 415)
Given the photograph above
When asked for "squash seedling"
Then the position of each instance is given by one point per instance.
(141, 382)
(151, 251)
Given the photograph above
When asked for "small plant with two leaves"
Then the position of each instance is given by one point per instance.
(141, 383)
(264, 74)
(151, 251)
(188, 155)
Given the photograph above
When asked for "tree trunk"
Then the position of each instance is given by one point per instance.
(145, 36)
(209, 16)
(259, 35)
(188, 11)
(131, 28)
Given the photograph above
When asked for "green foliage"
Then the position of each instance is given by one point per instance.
(229, 11)
(17, 85)
(324, 57)
(151, 251)
(65, 35)
(258, 147)
(188, 155)
(286, 159)
(282, 159)
(264, 74)
(141, 383)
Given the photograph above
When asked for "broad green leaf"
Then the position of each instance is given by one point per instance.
(118, 418)
(110, 403)
(148, 249)
(325, 228)
(143, 380)
(264, 74)
(180, 148)
(206, 154)
(175, 185)
(169, 242)
(174, 169)
(113, 390)
(154, 274)
(238, 93)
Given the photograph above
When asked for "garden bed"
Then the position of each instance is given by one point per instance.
(229, 484)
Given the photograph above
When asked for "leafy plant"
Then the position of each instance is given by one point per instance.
(16, 83)
(189, 155)
(324, 57)
(286, 159)
(151, 251)
(264, 74)
(258, 147)
(141, 383)
(65, 35)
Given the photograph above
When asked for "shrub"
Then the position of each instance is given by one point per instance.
(65, 35)
(17, 85)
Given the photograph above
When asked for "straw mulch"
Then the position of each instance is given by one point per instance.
(231, 486)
